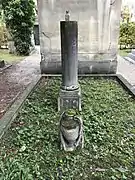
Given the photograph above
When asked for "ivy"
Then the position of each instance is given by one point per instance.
(30, 149)
(20, 18)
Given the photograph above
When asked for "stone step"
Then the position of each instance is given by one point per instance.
(131, 55)
(129, 60)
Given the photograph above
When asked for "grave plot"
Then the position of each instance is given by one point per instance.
(30, 149)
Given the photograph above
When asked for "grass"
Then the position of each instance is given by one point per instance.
(124, 52)
(30, 150)
(9, 58)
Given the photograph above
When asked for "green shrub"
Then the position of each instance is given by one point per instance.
(127, 35)
(127, 30)
(20, 18)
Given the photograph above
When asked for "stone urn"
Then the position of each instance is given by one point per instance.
(70, 131)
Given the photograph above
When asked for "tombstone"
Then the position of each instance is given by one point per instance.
(70, 94)
(2, 63)
(11, 47)
(69, 100)
(98, 26)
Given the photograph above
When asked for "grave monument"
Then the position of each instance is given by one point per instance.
(85, 44)
(98, 22)
(69, 100)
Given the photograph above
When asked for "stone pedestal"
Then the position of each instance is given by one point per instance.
(11, 47)
(70, 95)
(69, 100)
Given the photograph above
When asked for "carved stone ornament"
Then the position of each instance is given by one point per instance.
(71, 131)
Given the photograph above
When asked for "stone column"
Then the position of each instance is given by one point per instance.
(70, 95)
(71, 126)
(69, 53)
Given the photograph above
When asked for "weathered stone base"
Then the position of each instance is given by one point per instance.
(69, 100)
(85, 67)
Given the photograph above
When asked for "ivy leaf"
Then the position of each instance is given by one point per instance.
(23, 148)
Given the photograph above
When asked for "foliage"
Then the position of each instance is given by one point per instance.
(0, 11)
(3, 30)
(30, 149)
(126, 15)
(19, 18)
(127, 30)
(72, 112)
(127, 34)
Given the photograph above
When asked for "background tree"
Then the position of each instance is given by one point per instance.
(127, 30)
(3, 30)
(19, 19)
(125, 14)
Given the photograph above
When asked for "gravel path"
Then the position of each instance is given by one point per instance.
(15, 79)
(127, 69)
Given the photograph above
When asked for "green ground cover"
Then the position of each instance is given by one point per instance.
(30, 149)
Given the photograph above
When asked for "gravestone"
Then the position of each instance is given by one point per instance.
(70, 96)
(69, 100)
(2, 64)
(98, 26)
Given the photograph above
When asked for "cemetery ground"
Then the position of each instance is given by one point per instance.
(30, 149)
(9, 58)
(15, 79)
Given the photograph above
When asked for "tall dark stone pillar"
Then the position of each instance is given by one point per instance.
(69, 54)
(70, 93)
(71, 126)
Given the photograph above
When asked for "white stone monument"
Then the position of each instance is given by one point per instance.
(98, 25)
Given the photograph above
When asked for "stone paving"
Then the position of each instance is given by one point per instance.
(15, 79)
(127, 69)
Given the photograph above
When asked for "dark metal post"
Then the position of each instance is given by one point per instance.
(69, 53)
